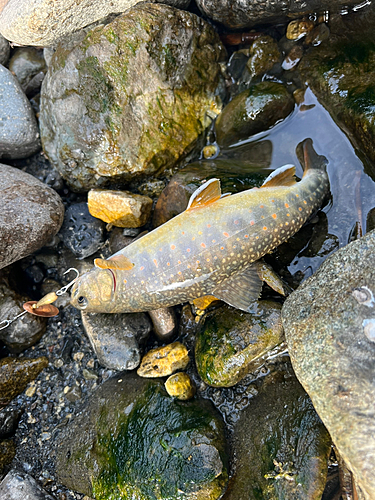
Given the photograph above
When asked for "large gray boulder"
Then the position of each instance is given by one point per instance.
(329, 323)
(131, 97)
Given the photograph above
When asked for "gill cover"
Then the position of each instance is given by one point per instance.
(93, 292)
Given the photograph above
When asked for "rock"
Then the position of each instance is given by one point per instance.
(116, 338)
(7, 453)
(298, 28)
(282, 448)
(231, 343)
(163, 361)
(8, 422)
(247, 13)
(4, 50)
(132, 437)
(180, 386)
(325, 323)
(27, 207)
(25, 331)
(42, 23)
(119, 208)
(264, 54)
(26, 63)
(118, 240)
(16, 373)
(19, 134)
(82, 233)
(252, 111)
(147, 85)
(20, 486)
(164, 322)
(234, 175)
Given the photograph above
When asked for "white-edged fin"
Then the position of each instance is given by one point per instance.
(119, 262)
(206, 194)
(283, 176)
(241, 289)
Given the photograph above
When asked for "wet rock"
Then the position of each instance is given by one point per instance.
(134, 438)
(163, 361)
(26, 63)
(27, 207)
(7, 453)
(164, 322)
(234, 175)
(264, 54)
(82, 233)
(247, 13)
(231, 343)
(19, 134)
(41, 23)
(325, 326)
(299, 28)
(147, 85)
(180, 386)
(116, 338)
(16, 373)
(293, 58)
(119, 208)
(20, 486)
(8, 422)
(4, 50)
(252, 111)
(118, 240)
(25, 331)
(282, 448)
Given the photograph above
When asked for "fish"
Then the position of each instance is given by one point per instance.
(209, 249)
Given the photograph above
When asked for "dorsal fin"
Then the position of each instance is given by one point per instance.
(283, 176)
(119, 262)
(206, 194)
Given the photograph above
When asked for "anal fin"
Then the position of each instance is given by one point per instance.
(119, 262)
(241, 289)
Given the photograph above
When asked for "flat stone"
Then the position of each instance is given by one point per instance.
(329, 324)
(27, 208)
(148, 84)
(42, 23)
(119, 208)
(19, 134)
(116, 338)
(20, 486)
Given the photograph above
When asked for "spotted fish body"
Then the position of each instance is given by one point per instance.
(208, 249)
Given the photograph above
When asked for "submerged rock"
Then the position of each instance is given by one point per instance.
(252, 111)
(133, 441)
(132, 97)
(232, 343)
(31, 213)
(282, 448)
(326, 322)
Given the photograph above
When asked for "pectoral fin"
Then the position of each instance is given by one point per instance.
(206, 194)
(241, 289)
(119, 262)
(283, 176)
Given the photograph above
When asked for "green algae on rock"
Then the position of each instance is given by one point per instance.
(133, 441)
(281, 444)
(252, 111)
(232, 343)
(131, 97)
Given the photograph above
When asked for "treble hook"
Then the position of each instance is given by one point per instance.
(65, 288)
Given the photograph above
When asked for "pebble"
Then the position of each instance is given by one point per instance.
(325, 328)
(43, 24)
(116, 338)
(4, 50)
(27, 207)
(16, 373)
(20, 486)
(119, 208)
(82, 233)
(19, 133)
(180, 386)
(26, 64)
(299, 28)
(163, 361)
(164, 322)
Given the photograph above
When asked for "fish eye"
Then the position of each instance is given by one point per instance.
(82, 301)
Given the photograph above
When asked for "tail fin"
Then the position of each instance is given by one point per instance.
(308, 157)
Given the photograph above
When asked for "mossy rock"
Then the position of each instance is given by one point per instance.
(132, 97)
(133, 441)
(232, 343)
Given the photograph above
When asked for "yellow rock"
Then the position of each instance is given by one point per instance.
(179, 385)
(163, 361)
(119, 208)
(298, 28)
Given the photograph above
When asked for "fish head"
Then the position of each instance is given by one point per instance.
(94, 291)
